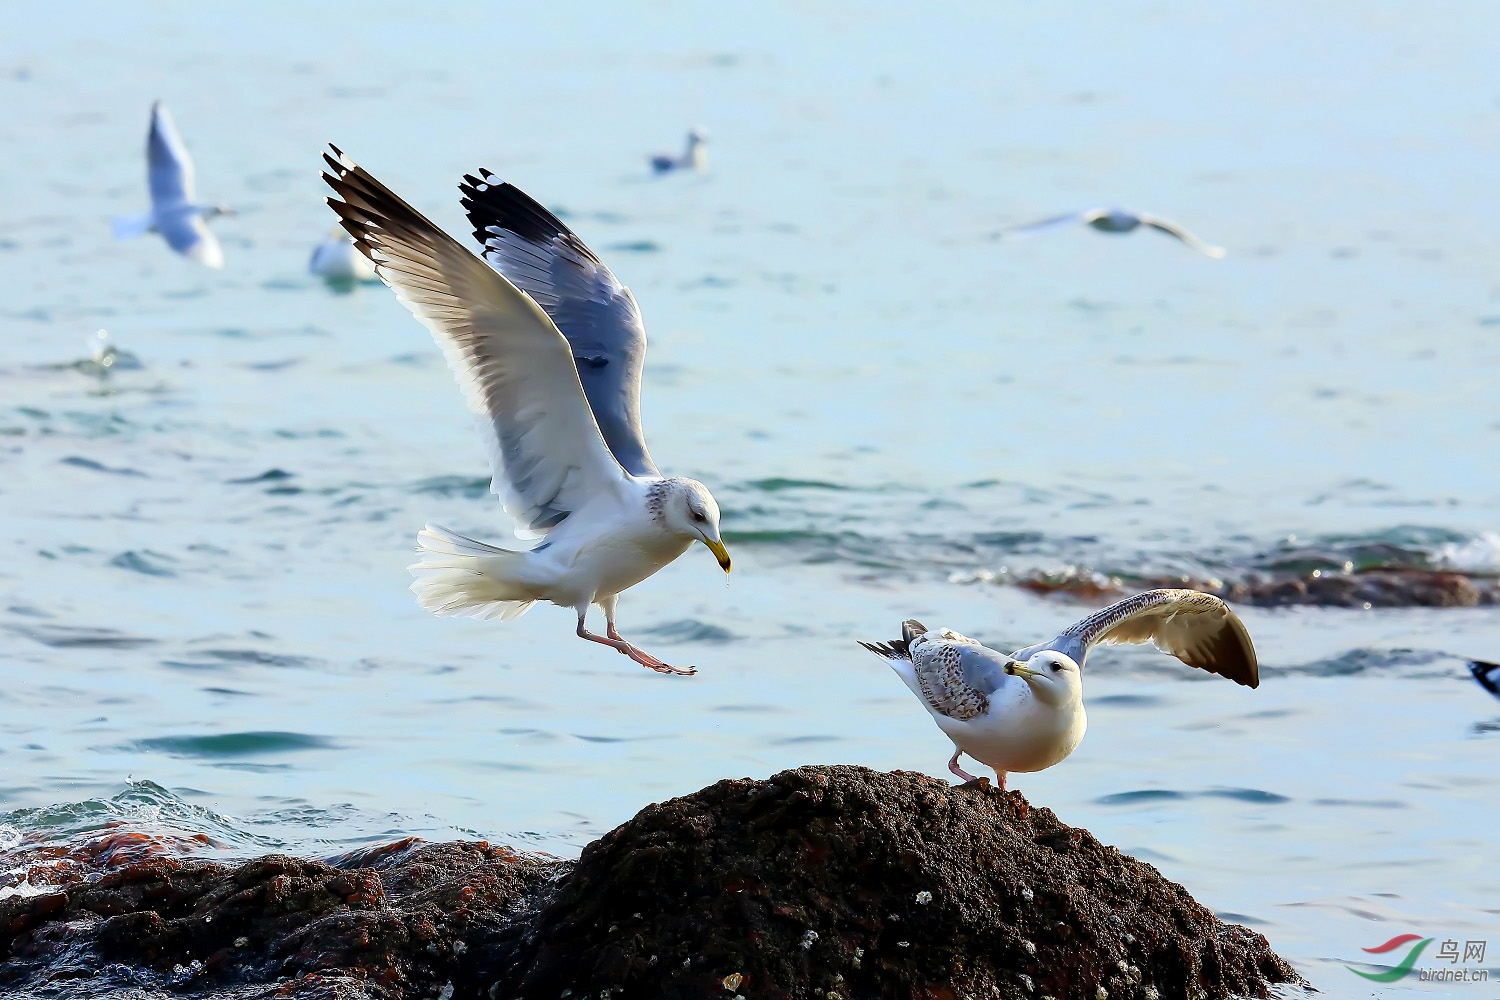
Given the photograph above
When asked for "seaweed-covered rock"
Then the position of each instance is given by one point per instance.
(827, 882)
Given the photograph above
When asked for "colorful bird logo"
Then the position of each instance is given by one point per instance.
(1396, 973)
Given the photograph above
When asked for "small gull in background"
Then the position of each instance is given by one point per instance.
(694, 157)
(337, 262)
(174, 214)
(1487, 675)
(1024, 712)
(1112, 220)
(104, 357)
(603, 528)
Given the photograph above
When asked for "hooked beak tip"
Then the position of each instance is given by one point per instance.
(720, 553)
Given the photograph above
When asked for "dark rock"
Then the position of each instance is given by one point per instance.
(819, 881)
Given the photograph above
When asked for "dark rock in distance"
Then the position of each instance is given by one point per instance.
(818, 882)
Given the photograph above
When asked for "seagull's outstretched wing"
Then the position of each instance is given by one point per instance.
(598, 315)
(1163, 226)
(513, 365)
(1198, 629)
(1042, 225)
(189, 235)
(169, 168)
(1488, 676)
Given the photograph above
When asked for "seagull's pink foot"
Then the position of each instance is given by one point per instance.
(968, 778)
(645, 659)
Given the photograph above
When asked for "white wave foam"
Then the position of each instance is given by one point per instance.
(1477, 555)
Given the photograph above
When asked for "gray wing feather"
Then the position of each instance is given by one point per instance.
(1043, 225)
(598, 315)
(169, 170)
(1198, 629)
(510, 360)
(1177, 232)
(954, 673)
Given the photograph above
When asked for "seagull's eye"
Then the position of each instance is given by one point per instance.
(698, 517)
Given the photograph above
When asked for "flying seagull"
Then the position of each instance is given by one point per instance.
(1488, 676)
(180, 220)
(1112, 220)
(337, 262)
(694, 156)
(1024, 712)
(603, 529)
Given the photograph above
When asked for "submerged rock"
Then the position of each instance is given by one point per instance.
(828, 882)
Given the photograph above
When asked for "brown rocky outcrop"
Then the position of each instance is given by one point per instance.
(829, 882)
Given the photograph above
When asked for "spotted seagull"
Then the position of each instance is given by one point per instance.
(1024, 711)
(602, 527)
(180, 220)
(1112, 220)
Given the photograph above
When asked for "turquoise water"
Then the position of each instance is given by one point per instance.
(204, 624)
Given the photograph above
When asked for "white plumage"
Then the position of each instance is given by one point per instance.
(1024, 712)
(174, 213)
(603, 530)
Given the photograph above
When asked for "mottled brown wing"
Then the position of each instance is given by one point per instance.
(1198, 629)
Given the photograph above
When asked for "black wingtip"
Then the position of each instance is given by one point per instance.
(1487, 674)
(493, 203)
(896, 649)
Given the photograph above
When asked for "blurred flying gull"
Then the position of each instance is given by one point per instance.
(1488, 676)
(174, 214)
(603, 527)
(337, 262)
(1111, 220)
(1024, 712)
(694, 156)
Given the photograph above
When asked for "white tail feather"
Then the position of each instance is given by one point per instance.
(128, 227)
(465, 578)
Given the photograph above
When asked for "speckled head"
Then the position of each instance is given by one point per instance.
(684, 507)
(1052, 676)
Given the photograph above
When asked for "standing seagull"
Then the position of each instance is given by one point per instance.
(694, 157)
(1112, 220)
(603, 528)
(181, 221)
(1024, 712)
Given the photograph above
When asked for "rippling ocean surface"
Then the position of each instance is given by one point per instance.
(204, 620)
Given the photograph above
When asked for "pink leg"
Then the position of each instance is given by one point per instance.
(968, 778)
(645, 659)
(1000, 779)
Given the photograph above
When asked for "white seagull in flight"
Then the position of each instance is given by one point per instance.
(1024, 712)
(578, 478)
(180, 220)
(1112, 220)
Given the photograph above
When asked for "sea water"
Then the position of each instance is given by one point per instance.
(204, 621)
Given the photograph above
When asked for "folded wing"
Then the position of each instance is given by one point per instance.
(598, 315)
(514, 367)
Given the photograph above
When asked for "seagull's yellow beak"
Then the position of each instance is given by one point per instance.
(1017, 667)
(720, 552)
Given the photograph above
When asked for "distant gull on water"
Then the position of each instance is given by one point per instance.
(1112, 220)
(336, 261)
(180, 220)
(1024, 712)
(694, 156)
(1488, 676)
(586, 487)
